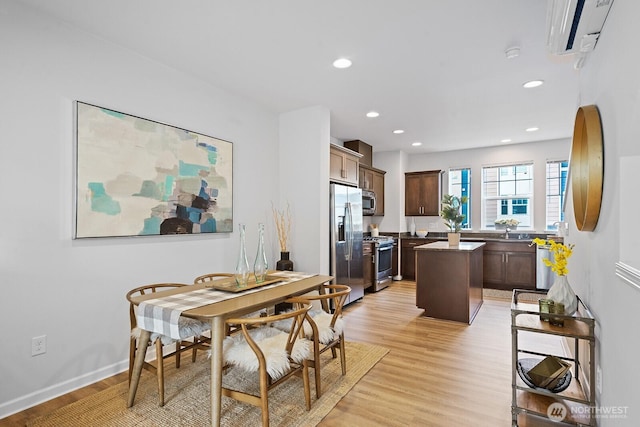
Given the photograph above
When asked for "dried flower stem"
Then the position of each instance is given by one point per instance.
(283, 225)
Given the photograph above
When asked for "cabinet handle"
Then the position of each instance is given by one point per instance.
(507, 258)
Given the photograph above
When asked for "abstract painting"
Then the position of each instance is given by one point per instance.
(138, 177)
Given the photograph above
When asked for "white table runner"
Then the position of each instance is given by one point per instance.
(160, 315)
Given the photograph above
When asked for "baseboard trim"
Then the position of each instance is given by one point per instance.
(56, 390)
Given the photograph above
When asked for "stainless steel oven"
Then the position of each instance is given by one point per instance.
(382, 261)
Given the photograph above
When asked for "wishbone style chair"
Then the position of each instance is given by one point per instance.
(324, 325)
(276, 355)
(191, 329)
(210, 277)
(217, 276)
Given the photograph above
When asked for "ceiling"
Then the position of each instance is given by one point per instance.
(436, 69)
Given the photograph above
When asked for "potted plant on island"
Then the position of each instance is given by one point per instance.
(452, 217)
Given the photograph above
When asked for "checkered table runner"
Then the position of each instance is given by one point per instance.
(160, 315)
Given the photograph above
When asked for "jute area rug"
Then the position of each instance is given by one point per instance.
(187, 396)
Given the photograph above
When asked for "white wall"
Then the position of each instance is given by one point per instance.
(74, 291)
(396, 164)
(609, 80)
(304, 181)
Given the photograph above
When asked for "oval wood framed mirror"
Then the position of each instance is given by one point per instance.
(587, 167)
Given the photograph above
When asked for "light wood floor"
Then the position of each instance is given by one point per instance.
(437, 373)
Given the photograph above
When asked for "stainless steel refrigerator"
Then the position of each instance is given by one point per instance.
(346, 238)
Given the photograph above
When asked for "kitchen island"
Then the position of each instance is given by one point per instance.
(449, 280)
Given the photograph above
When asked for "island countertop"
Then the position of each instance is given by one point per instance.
(444, 246)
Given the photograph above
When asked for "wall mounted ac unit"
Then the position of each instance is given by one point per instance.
(573, 26)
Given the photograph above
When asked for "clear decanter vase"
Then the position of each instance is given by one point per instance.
(260, 265)
(242, 267)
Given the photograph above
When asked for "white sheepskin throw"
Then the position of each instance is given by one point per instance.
(188, 328)
(323, 321)
(272, 343)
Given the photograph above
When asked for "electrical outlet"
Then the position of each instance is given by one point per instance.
(38, 345)
(599, 379)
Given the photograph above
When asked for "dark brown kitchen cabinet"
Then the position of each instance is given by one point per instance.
(372, 179)
(343, 165)
(363, 148)
(408, 256)
(509, 265)
(367, 263)
(449, 280)
(422, 193)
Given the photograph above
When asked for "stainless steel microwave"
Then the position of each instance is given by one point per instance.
(368, 202)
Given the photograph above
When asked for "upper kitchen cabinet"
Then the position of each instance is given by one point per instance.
(363, 148)
(343, 165)
(372, 179)
(422, 193)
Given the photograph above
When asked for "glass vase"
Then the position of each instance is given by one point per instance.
(242, 267)
(260, 265)
(561, 292)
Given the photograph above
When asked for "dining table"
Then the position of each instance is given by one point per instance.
(159, 312)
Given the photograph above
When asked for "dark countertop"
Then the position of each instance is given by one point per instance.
(514, 236)
(489, 236)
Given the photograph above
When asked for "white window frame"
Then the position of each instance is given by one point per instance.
(486, 199)
(563, 194)
(470, 199)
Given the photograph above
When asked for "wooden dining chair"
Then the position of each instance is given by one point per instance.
(191, 329)
(324, 325)
(209, 277)
(276, 355)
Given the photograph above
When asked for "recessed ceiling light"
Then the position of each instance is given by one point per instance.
(342, 63)
(416, 144)
(533, 83)
(533, 129)
(504, 141)
(373, 114)
(398, 131)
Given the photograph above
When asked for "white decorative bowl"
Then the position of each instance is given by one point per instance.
(422, 233)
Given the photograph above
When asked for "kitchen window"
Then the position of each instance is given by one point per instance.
(460, 185)
(507, 193)
(557, 174)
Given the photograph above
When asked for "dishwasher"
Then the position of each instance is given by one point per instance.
(544, 275)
